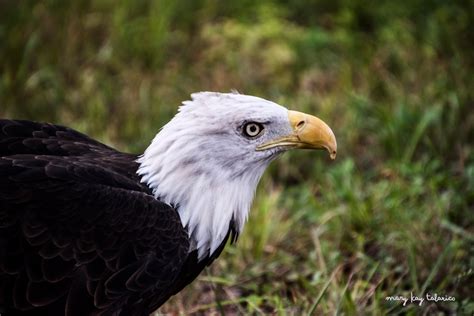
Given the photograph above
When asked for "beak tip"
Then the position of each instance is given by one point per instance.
(331, 144)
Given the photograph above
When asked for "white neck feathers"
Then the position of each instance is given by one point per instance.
(207, 198)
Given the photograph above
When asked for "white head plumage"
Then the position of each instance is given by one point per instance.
(206, 161)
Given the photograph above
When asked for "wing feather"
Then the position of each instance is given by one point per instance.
(78, 232)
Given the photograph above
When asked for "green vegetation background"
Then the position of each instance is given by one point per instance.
(394, 214)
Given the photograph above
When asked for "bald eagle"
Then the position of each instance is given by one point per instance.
(88, 230)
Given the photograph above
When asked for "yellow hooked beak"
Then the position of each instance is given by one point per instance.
(308, 132)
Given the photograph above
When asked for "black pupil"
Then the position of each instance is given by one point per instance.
(253, 128)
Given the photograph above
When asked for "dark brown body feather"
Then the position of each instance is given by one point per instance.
(79, 233)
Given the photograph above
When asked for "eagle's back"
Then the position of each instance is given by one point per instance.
(79, 233)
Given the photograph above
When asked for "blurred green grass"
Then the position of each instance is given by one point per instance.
(393, 214)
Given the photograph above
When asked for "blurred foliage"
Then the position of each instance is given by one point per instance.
(393, 215)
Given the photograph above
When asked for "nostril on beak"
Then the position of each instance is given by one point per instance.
(300, 124)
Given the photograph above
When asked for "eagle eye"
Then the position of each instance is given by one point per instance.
(252, 129)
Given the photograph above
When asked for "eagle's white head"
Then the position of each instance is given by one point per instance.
(208, 159)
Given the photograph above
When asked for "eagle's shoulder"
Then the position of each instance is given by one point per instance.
(28, 137)
(78, 231)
